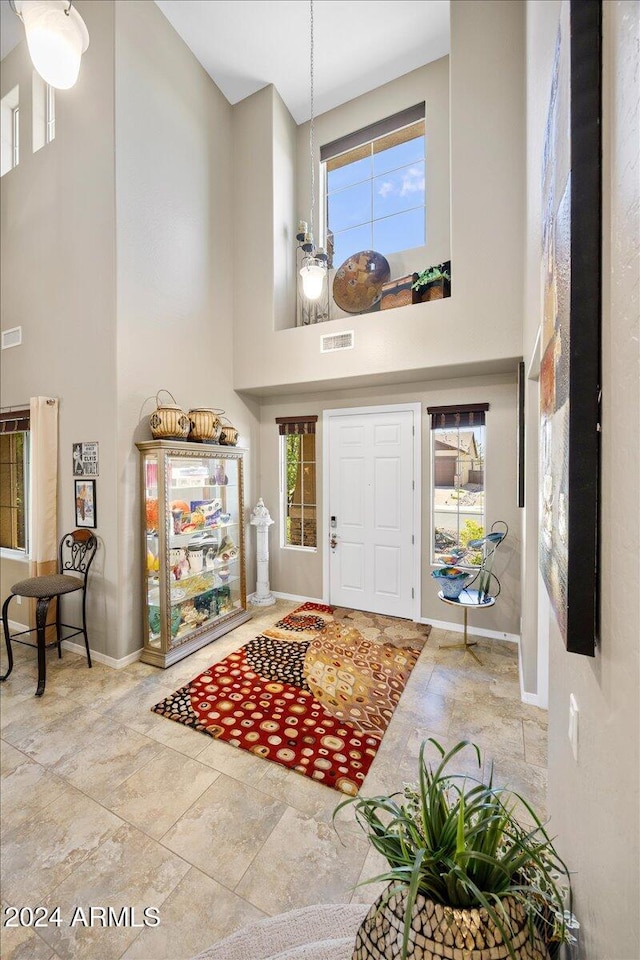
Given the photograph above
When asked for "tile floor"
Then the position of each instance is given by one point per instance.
(105, 804)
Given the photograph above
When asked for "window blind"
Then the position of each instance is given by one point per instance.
(15, 421)
(296, 426)
(463, 416)
(372, 132)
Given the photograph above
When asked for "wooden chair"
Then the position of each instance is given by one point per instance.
(76, 553)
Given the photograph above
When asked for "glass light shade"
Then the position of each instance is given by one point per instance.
(56, 40)
(313, 275)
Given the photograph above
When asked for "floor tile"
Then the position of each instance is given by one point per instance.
(159, 793)
(239, 836)
(129, 870)
(300, 848)
(224, 829)
(57, 839)
(53, 742)
(197, 913)
(239, 764)
(26, 790)
(10, 758)
(98, 768)
(481, 724)
(133, 710)
(535, 740)
(32, 713)
(22, 942)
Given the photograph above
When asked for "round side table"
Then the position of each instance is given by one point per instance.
(468, 599)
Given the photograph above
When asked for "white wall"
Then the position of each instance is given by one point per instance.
(594, 802)
(300, 572)
(58, 282)
(175, 261)
(477, 327)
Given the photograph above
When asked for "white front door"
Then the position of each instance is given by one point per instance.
(371, 511)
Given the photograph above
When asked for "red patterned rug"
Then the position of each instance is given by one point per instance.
(315, 692)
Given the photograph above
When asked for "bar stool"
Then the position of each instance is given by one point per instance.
(76, 553)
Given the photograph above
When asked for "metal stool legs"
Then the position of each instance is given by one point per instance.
(42, 607)
(58, 635)
(7, 637)
(84, 625)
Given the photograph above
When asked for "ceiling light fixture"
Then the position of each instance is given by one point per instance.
(314, 263)
(56, 37)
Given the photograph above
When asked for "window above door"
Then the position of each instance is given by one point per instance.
(374, 187)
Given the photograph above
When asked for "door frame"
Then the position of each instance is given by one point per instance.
(327, 416)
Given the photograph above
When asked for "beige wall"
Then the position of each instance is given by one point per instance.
(478, 325)
(300, 573)
(594, 802)
(58, 283)
(10, 572)
(175, 260)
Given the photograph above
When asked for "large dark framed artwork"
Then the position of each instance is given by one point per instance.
(570, 343)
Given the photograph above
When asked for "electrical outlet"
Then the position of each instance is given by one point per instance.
(574, 714)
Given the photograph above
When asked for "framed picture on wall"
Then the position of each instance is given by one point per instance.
(85, 459)
(570, 342)
(85, 491)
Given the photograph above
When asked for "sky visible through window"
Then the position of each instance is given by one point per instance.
(377, 201)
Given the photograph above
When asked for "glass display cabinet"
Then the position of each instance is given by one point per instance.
(193, 538)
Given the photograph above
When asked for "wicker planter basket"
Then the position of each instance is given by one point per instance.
(228, 435)
(443, 932)
(205, 424)
(169, 421)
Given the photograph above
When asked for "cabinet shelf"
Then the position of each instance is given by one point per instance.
(182, 615)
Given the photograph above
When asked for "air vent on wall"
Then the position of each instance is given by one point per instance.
(336, 341)
(11, 338)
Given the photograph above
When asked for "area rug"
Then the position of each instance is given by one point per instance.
(315, 692)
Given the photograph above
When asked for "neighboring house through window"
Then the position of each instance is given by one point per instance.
(14, 480)
(458, 488)
(298, 482)
(375, 187)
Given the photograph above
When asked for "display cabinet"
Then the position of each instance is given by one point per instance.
(193, 546)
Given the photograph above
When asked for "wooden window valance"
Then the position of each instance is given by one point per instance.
(463, 416)
(15, 421)
(296, 426)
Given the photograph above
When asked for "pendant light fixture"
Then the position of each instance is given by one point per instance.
(314, 263)
(56, 37)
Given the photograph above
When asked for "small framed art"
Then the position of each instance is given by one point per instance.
(85, 459)
(85, 491)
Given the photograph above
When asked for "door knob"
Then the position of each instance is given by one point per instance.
(333, 541)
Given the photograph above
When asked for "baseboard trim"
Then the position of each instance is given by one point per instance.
(295, 598)
(102, 657)
(533, 699)
(476, 631)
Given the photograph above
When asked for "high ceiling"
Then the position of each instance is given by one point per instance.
(245, 44)
(359, 44)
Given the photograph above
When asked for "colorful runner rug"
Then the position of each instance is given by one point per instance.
(315, 692)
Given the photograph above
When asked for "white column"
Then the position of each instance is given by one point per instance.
(261, 520)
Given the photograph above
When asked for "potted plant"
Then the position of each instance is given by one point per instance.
(466, 879)
(434, 283)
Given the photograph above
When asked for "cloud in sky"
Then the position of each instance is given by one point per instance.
(410, 181)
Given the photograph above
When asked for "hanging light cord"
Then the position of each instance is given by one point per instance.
(311, 131)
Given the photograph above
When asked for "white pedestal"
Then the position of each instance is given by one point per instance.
(261, 520)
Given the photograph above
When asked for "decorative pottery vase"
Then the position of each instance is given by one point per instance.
(444, 932)
(451, 580)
